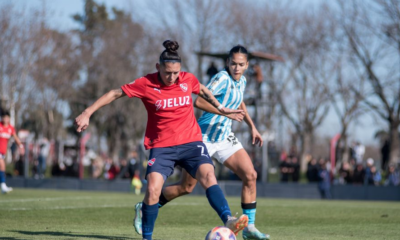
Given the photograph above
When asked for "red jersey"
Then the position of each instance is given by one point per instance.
(5, 134)
(170, 113)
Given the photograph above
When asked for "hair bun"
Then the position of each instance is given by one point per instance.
(171, 46)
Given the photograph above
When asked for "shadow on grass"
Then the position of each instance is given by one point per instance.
(73, 235)
(10, 238)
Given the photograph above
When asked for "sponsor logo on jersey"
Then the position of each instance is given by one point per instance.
(184, 87)
(172, 102)
(5, 135)
(157, 89)
(158, 104)
(151, 162)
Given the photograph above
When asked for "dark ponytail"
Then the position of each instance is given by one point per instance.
(238, 49)
(170, 53)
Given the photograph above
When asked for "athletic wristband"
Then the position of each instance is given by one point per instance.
(21, 145)
(220, 107)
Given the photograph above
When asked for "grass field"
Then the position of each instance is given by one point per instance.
(50, 214)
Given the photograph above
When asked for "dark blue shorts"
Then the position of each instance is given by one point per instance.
(189, 156)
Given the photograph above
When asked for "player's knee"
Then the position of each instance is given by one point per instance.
(153, 193)
(251, 176)
(208, 179)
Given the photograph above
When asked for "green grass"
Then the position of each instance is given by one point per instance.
(49, 214)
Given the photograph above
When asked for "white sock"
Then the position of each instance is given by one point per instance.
(251, 227)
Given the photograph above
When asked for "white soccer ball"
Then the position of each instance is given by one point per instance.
(220, 233)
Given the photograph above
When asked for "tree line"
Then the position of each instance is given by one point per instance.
(341, 56)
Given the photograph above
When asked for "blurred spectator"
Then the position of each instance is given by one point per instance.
(359, 152)
(295, 169)
(124, 170)
(35, 169)
(212, 70)
(284, 168)
(58, 169)
(128, 168)
(345, 173)
(353, 150)
(376, 176)
(393, 178)
(133, 164)
(136, 182)
(72, 168)
(293, 151)
(324, 181)
(19, 163)
(352, 164)
(110, 169)
(283, 155)
(19, 167)
(96, 167)
(372, 176)
(312, 171)
(44, 150)
(359, 175)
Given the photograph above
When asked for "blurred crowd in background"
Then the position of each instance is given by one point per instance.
(44, 162)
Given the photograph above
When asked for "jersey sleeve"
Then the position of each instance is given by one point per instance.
(195, 84)
(217, 84)
(136, 88)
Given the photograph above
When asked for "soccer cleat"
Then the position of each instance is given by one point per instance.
(137, 221)
(237, 224)
(254, 234)
(5, 189)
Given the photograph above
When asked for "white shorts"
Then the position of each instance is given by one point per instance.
(224, 149)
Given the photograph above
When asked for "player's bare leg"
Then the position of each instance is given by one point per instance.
(240, 163)
(185, 186)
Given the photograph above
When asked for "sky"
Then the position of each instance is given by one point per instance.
(60, 12)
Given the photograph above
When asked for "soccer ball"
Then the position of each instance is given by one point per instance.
(220, 233)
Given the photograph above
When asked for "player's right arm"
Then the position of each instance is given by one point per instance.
(82, 121)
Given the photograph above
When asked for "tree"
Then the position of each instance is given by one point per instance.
(304, 94)
(110, 47)
(373, 34)
(346, 102)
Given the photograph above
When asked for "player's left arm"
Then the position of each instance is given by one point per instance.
(206, 94)
(202, 104)
(19, 143)
(255, 135)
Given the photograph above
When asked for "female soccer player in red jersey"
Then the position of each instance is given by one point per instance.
(172, 134)
(6, 132)
(228, 87)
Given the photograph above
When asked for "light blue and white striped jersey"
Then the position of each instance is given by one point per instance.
(229, 92)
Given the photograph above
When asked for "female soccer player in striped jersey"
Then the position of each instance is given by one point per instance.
(172, 134)
(228, 87)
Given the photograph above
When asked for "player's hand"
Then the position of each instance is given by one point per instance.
(229, 111)
(82, 121)
(256, 137)
(236, 116)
